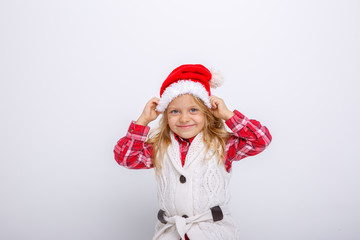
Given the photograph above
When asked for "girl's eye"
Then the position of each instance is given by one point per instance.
(174, 111)
(193, 110)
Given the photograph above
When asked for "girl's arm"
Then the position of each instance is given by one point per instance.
(132, 151)
(249, 136)
(248, 139)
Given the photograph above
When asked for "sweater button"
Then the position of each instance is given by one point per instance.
(185, 216)
(182, 179)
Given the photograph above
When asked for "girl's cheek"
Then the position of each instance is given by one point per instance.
(171, 121)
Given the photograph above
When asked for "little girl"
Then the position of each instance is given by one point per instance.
(192, 154)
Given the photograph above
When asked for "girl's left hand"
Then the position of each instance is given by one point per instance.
(219, 109)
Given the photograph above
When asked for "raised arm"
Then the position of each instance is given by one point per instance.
(248, 139)
(249, 136)
(132, 151)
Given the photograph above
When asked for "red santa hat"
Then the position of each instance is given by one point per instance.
(192, 79)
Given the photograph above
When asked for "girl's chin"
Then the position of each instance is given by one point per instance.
(187, 135)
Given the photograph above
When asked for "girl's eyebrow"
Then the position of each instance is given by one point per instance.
(171, 109)
(194, 106)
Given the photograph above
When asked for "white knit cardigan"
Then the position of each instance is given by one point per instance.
(205, 186)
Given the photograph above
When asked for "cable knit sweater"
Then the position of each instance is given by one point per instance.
(192, 190)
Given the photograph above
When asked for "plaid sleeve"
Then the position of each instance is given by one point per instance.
(248, 139)
(132, 151)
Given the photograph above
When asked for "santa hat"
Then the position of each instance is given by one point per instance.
(192, 79)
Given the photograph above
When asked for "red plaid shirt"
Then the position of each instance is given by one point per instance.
(248, 139)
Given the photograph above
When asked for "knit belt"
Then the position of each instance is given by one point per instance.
(184, 223)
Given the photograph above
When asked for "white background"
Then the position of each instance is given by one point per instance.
(75, 73)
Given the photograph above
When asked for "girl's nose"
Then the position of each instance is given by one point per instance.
(184, 118)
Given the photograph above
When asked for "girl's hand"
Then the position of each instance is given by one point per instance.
(219, 108)
(149, 114)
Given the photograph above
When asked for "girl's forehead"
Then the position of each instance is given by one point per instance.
(183, 100)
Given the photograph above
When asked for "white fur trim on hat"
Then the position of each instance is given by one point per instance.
(180, 88)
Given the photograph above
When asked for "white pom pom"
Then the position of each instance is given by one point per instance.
(217, 79)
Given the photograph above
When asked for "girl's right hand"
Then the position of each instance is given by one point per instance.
(149, 113)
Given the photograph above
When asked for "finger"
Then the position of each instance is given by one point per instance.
(214, 103)
(212, 99)
(153, 102)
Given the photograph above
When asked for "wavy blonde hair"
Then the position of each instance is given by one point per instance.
(214, 135)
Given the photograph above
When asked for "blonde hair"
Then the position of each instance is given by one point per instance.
(214, 135)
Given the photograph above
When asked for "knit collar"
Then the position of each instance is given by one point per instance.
(196, 148)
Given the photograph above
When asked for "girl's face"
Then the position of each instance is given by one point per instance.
(185, 117)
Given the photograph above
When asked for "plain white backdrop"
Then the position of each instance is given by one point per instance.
(74, 73)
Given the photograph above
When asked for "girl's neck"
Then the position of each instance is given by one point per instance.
(178, 138)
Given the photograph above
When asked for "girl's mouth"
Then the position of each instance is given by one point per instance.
(186, 126)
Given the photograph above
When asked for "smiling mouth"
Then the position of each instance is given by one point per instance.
(186, 126)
